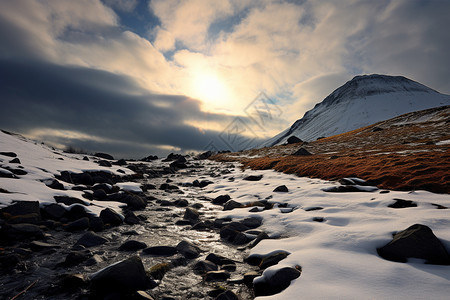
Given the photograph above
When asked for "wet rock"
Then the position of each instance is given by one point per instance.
(417, 241)
(39, 246)
(203, 225)
(253, 178)
(110, 216)
(221, 199)
(53, 211)
(78, 225)
(281, 189)
(132, 245)
(131, 218)
(72, 282)
(22, 208)
(272, 259)
(188, 250)
(160, 251)
(104, 155)
(301, 152)
(68, 200)
(233, 233)
(217, 276)
(159, 270)
(229, 267)
(227, 295)
(276, 283)
(261, 236)
(123, 278)
(191, 214)
(249, 276)
(91, 239)
(231, 204)
(400, 203)
(204, 266)
(76, 257)
(218, 259)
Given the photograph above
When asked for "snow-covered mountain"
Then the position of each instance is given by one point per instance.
(362, 101)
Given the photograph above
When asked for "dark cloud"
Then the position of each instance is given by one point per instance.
(128, 119)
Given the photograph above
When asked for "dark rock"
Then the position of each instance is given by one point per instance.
(301, 152)
(253, 178)
(400, 203)
(6, 174)
(108, 189)
(313, 208)
(221, 199)
(134, 202)
(229, 267)
(121, 162)
(96, 224)
(72, 282)
(124, 277)
(111, 217)
(227, 295)
(9, 154)
(347, 189)
(15, 161)
(53, 211)
(276, 283)
(197, 205)
(149, 158)
(160, 250)
(281, 189)
(21, 231)
(261, 236)
(293, 140)
(201, 184)
(231, 204)
(91, 239)
(68, 200)
(9, 262)
(417, 241)
(147, 186)
(94, 260)
(272, 259)
(438, 206)
(202, 225)
(204, 266)
(22, 208)
(251, 222)
(132, 245)
(56, 185)
(104, 155)
(318, 219)
(249, 276)
(104, 163)
(204, 155)
(233, 234)
(76, 257)
(131, 218)
(188, 250)
(181, 203)
(178, 165)
(78, 225)
(99, 194)
(85, 158)
(375, 129)
(77, 212)
(218, 260)
(217, 276)
(191, 214)
(32, 218)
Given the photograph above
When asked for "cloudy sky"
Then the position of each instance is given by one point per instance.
(135, 78)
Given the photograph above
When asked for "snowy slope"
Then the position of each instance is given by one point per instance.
(362, 101)
(41, 164)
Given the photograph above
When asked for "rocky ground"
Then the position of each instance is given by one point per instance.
(168, 240)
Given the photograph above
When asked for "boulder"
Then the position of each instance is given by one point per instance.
(53, 211)
(231, 204)
(281, 189)
(68, 200)
(204, 266)
(124, 277)
(221, 199)
(417, 241)
(400, 203)
(132, 245)
(253, 178)
(22, 208)
(293, 140)
(302, 152)
(56, 185)
(277, 282)
(191, 214)
(217, 276)
(110, 216)
(78, 225)
(188, 250)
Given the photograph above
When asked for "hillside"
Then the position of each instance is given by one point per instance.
(408, 152)
(360, 102)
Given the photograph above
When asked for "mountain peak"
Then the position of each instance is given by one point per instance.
(362, 86)
(364, 100)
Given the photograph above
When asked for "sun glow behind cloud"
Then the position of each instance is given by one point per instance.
(209, 87)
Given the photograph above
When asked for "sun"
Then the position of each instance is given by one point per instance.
(210, 88)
